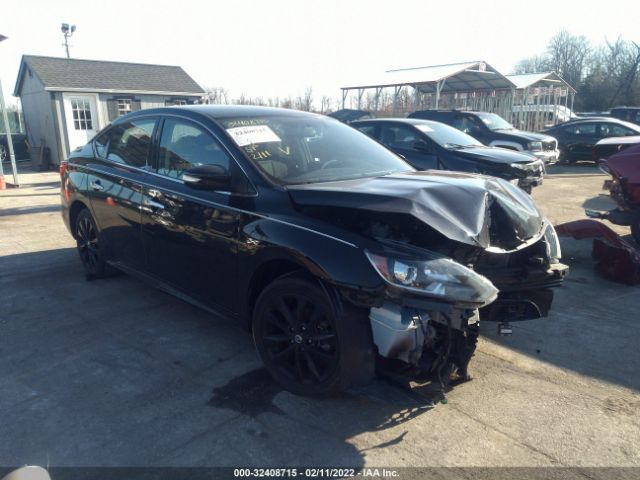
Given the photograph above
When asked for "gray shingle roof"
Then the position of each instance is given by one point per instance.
(94, 75)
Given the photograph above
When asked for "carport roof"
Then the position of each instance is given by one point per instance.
(530, 79)
(74, 75)
(457, 77)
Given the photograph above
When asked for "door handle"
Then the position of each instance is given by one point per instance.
(150, 203)
(96, 186)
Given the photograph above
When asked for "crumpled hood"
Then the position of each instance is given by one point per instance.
(495, 155)
(473, 209)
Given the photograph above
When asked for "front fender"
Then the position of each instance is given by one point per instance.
(330, 259)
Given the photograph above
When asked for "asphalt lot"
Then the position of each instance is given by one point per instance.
(115, 373)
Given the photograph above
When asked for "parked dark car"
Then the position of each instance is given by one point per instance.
(332, 249)
(348, 115)
(495, 131)
(629, 114)
(20, 146)
(624, 188)
(433, 145)
(608, 146)
(577, 138)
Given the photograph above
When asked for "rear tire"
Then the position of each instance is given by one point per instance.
(311, 343)
(91, 247)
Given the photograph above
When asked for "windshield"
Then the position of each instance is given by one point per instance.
(494, 122)
(293, 149)
(446, 136)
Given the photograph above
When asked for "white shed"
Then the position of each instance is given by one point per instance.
(65, 101)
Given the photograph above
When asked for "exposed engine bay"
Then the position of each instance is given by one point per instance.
(453, 252)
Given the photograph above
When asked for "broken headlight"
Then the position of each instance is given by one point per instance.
(554, 254)
(438, 277)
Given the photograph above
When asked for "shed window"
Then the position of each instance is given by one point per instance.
(175, 101)
(81, 114)
(124, 106)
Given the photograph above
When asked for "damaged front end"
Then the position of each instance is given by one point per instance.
(453, 249)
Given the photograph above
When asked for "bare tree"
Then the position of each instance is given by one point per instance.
(567, 55)
(306, 101)
(215, 95)
(325, 104)
(532, 65)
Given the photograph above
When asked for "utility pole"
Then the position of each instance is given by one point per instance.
(7, 129)
(67, 31)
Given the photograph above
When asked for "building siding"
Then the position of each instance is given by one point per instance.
(45, 115)
(39, 118)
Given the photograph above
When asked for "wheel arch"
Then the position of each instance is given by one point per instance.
(265, 274)
(74, 210)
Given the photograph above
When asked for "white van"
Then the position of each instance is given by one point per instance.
(530, 117)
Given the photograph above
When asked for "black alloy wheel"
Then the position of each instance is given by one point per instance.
(300, 338)
(89, 246)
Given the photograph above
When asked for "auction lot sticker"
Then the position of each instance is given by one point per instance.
(253, 134)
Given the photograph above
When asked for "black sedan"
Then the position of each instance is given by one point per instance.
(610, 145)
(331, 249)
(433, 145)
(577, 138)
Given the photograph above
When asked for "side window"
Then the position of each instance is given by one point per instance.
(465, 123)
(369, 130)
(581, 129)
(128, 143)
(398, 136)
(184, 145)
(614, 130)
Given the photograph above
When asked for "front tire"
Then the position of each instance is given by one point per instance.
(311, 344)
(90, 247)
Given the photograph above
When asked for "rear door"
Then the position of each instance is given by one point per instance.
(190, 235)
(115, 187)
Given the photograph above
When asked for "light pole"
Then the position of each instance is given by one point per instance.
(67, 31)
(7, 129)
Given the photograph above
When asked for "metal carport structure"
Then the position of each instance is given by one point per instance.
(468, 85)
(541, 99)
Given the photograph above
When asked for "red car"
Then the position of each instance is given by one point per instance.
(624, 188)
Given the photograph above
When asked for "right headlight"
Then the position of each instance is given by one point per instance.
(438, 277)
(535, 146)
(553, 244)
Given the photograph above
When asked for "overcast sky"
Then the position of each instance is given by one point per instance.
(278, 47)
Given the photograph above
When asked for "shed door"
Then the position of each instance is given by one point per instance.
(82, 118)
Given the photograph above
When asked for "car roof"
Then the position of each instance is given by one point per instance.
(407, 121)
(224, 111)
(598, 119)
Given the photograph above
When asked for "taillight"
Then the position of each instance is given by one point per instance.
(63, 168)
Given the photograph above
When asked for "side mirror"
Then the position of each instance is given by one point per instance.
(208, 177)
(422, 146)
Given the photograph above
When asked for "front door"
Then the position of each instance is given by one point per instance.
(81, 115)
(190, 236)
